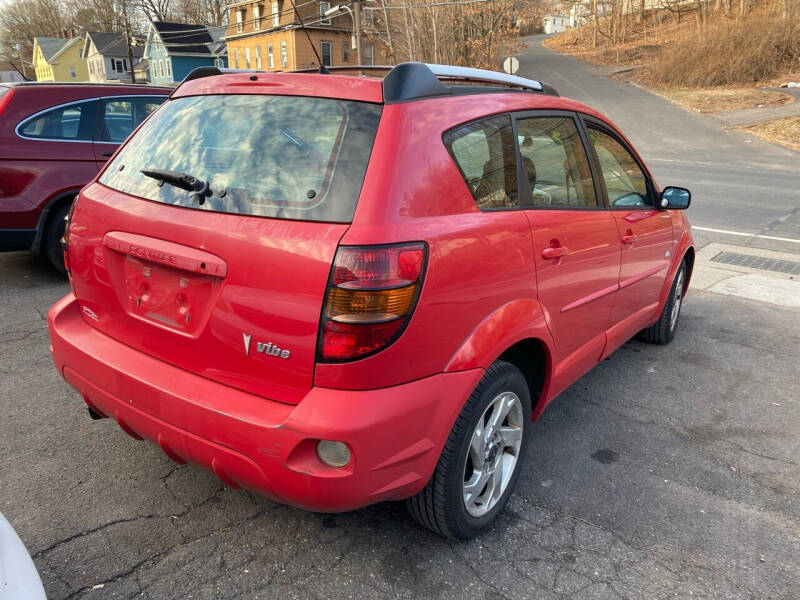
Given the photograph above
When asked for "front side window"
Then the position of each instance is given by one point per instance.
(485, 155)
(122, 115)
(72, 122)
(626, 184)
(327, 58)
(555, 163)
(292, 157)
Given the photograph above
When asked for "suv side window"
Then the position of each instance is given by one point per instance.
(484, 153)
(71, 122)
(555, 163)
(626, 183)
(121, 116)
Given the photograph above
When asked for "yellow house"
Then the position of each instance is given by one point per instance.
(58, 59)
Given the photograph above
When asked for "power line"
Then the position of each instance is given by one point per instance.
(424, 5)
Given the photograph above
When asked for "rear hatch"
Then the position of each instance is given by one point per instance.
(226, 281)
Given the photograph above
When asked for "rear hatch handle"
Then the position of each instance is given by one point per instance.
(166, 253)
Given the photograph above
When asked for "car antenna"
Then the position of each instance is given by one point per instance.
(322, 68)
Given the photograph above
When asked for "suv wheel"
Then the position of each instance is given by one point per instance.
(481, 460)
(54, 231)
(663, 330)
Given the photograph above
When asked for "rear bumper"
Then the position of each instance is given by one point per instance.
(395, 434)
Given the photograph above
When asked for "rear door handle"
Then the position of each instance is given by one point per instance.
(557, 252)
(629, 239)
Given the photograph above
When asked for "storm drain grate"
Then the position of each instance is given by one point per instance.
(789, 267)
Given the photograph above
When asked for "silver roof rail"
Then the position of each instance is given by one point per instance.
(483, 75)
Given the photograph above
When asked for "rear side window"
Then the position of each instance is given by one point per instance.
(484, 153)
(272, 156)
(73, 122)
(555, 163)
(121, 116)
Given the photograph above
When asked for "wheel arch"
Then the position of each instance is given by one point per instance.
(517, 333)
(55, 202)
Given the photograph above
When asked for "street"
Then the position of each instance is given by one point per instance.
(666, 472)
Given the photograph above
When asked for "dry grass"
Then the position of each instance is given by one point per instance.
(730, 53)
(761, 49)
(781, 131)
(718, 100)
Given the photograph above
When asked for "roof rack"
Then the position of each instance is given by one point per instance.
(414, 80)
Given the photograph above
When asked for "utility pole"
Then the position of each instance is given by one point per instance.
(128, 38)
(357, 26)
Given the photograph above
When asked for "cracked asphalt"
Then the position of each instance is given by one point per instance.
(666, 472)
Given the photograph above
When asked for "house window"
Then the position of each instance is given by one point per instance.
(276, 14)
(345, 52)
(284, 55)
(327, 53)
(366, 17)
(367, 54)
(258, 57)
(169, 67)
(161, 67)
(239, 21)
(256, 17)
(270, 57)
(247, 57)
(119, 65)
(235, 58)
(72, 73)
(323, 7)
(80, 52)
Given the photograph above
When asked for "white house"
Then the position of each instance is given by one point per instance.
(554, 23)
(107, 58)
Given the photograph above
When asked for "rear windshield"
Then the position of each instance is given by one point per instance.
(272, 156)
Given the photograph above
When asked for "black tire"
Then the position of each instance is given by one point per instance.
(663, 330)
(441, 506)
(54, 231)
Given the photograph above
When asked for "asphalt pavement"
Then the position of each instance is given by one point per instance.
(666, 472)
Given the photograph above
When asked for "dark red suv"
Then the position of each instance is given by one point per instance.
(338, 290)
(54, 138)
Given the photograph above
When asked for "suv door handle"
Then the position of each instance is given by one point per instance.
(629, 239)
(558, 252)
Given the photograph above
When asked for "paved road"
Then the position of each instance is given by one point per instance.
(667, 472)
(738, 182)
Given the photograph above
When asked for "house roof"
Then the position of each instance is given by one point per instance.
(186, 38)
(50, 46)
(113, 44)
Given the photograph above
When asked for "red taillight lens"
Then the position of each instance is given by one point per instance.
(65, 238)
(5, 98)
(370, 297)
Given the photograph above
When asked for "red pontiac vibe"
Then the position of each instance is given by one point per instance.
(337, 290)
(54, 138)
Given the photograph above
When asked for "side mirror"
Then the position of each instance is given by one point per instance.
(675, 198)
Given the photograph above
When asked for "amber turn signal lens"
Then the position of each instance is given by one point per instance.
(374, 306)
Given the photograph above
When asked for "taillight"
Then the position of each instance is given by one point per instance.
(65, 238)
(370, 297)
(5, 98)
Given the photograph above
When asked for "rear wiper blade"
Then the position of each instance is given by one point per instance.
(200, 188)
(181, 180)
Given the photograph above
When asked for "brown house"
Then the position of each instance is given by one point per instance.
(266, 35)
